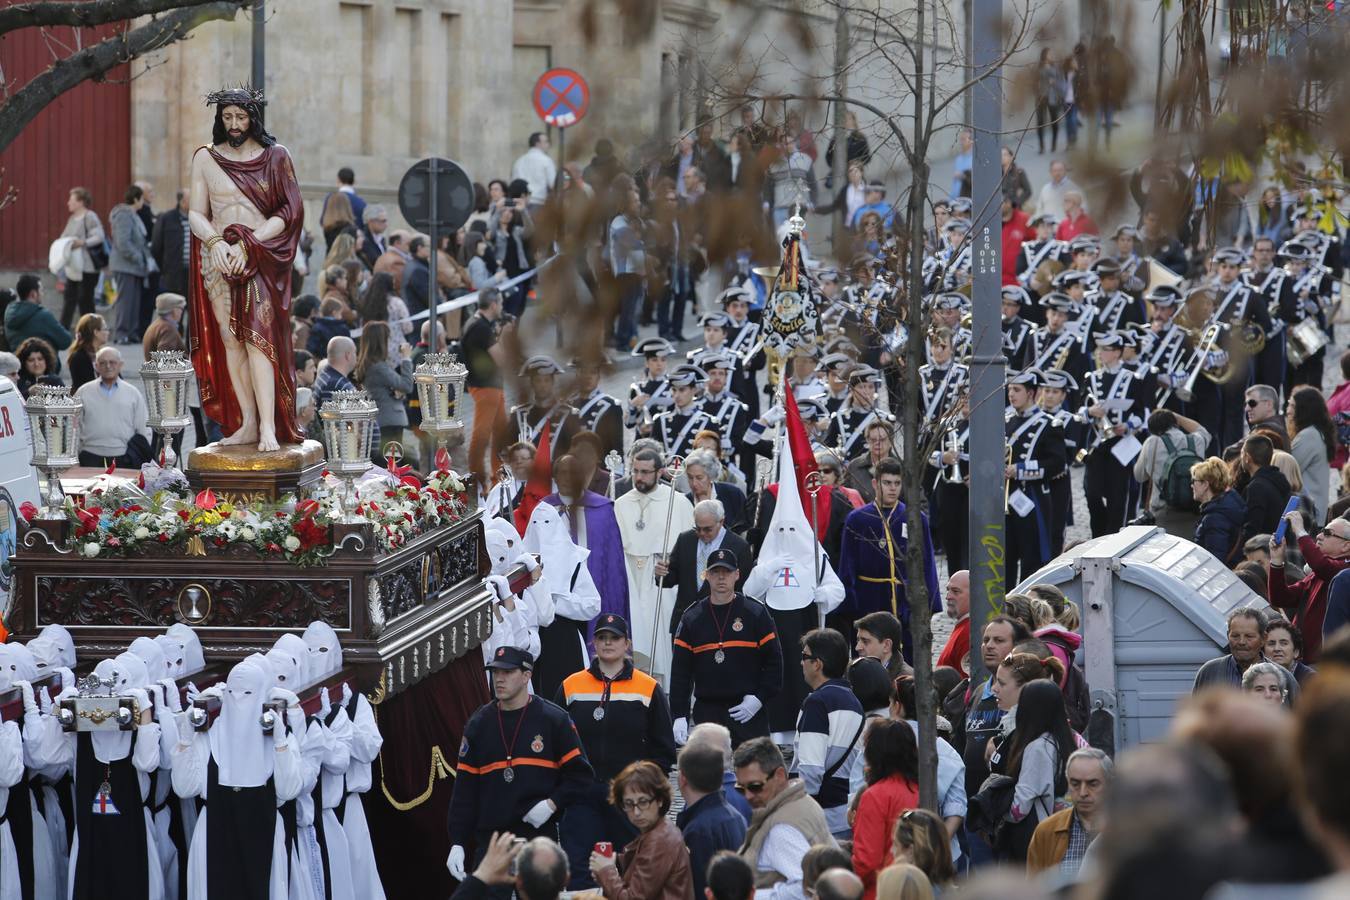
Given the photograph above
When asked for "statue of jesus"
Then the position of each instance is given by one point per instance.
(246, 216)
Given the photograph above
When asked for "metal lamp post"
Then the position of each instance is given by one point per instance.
(440, 383)
(165, 377)
(55, 419)
(348, 432)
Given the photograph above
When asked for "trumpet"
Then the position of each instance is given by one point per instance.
(1209, 338)
(952, 473)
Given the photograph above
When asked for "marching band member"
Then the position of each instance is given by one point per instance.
(1056, 388)
(849, 423)
(526, 420)
(725, 411)
(1166, 352)
(716, 326)
(1042, 249)
(1016, 330)
(1249, 324)
(1035, 456)
(651, 394)
(1106, 479)
(1055, 345)
(956, 261)
(743, 340)
(675, 428)
(1115, 309)
(1304, 287)
(1274, 288)
(598, 411)
(835, 366)
(1132, 280)
(948, 309)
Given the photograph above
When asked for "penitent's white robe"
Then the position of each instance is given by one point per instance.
(650, 605)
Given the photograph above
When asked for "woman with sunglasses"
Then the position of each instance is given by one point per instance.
(891, 767)
(831, 472)
(1327, 554)
(655, 866)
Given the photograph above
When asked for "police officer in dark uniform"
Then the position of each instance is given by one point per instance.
(726, 655)
(622, 716)
(1035, 457)
(676, 427)
(526, 420)
(1016, 330)
(598, 411)
(650, 394)
(1106, 480)
(520, 765)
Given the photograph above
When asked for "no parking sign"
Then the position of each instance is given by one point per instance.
(561, 97)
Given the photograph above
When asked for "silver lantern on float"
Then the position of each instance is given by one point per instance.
(166, 393)
(440, 385)
(54, 416)
(348, 434)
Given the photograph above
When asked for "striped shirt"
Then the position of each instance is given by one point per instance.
(827, 738)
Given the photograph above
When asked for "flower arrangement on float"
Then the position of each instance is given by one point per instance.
(117, 518)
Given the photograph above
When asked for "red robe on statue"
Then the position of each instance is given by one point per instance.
(260, 298)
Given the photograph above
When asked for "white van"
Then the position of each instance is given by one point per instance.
(18, 478)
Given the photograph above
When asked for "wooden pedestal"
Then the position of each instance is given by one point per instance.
(242, 474)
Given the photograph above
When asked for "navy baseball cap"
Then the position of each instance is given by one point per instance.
(723, 559)
(613, 624)
(512, 658)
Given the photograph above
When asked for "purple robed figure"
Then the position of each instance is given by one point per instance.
(600, 535)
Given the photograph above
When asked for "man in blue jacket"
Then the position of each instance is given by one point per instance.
(708, 821)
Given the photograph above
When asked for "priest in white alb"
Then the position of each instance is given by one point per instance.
(651, 516)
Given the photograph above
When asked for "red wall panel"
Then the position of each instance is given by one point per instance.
(81, 138)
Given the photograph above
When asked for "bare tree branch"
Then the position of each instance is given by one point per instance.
(85, 15)
(93, 62)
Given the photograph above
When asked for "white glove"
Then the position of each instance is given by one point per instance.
(142, 699)
(30, 706)
(500, 585)
(455, 863)
(346, 693)
(280, 693)
(681, 731)
(774, 415)
(746, 710)
(528, 561)
(186, 733)
(540, 813)
(46, 698)
(172, 699)
(325, 703)
(215, 690)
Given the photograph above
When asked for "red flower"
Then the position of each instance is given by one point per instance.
(114, 542)
(27, 510)
(88, 519)
(411, 481)
(163, 538)
(280, 514)
(273, 547)
(184, 514)
(307, 507)
(325, 473)
(391, 494)
(205, 500)
(218, 541)
(311, 534)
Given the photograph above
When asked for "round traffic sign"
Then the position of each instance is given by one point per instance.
(454, 194)
(561, 97)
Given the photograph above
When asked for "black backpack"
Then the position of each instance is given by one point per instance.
(1175, 486)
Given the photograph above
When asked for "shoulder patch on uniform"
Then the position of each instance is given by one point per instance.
(463, 747)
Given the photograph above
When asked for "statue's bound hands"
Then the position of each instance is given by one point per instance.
(237, 259)
(220, 256)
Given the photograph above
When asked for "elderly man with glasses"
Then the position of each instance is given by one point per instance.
(689, 559)
(115, 416)
(1307, 599)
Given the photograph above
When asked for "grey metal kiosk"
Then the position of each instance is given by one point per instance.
(1155, 607)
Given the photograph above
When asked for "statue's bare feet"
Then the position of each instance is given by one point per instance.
(247, 434)
(267, 440)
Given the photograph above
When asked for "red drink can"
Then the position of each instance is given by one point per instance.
(604, 848)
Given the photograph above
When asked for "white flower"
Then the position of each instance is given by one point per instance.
(246, 533)
(292, 543)
(91, 549)
(141, 533)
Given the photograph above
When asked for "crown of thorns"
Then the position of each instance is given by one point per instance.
(241, 94)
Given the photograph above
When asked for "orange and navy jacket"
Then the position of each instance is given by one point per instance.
(752, 660)
(547, 763)
(636, 723)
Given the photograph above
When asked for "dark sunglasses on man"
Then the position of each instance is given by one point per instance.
(754, 787)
